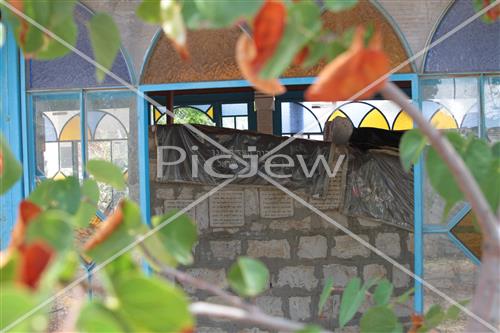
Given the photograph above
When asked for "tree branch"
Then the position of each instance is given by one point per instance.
(488, 288)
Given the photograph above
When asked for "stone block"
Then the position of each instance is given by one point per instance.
(374, 271)
(347, 247)
(214, 276)
(300, 308)
(368, 223)
(201, 211)
(165, 192)
(291, 224)
(341, 274)
(399, 278)
(222, 249)
(389, 244)
(297, 277)
(311, 247)
(270, 304)
(330, 311)
(276, 248)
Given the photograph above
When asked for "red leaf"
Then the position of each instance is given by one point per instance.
(35, 257)
(301, 56)
(105, 229)
(268, 28)
(1, 163)
(245, 53)
(27, 212)
(352, 71)
(417, 322)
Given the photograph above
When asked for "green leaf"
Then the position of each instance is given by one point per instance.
(105, 38)
(303, 24)
(52, 227)
(154, 305)
(88, 204)
(434, 316)
(453, 311)
(491, 184)
(3, 34)
(379, 319)
(441, 179)
(248, 277)
(411, 146)
(178, 236)
(383, 292)
(8, 271)
(339, 5)
(403, 299)
(352, 298)
(62, 194)
(123, 235)
(15, 302)
(495, 150)
(325, 293)
(10, 168)
(316, 51)
(224, 13)
(95, 317)
(149, 11)
(106, 172)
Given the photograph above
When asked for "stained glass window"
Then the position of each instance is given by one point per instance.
(302, 117)
(491, 92)
(194, 114)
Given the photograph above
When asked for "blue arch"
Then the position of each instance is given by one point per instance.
(71, 71)
(474, 48)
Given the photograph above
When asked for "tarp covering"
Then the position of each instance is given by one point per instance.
(369, 183)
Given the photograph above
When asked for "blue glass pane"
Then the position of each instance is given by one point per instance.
(492, 107)
(71, 71)
(239, 109)
(474, 48)
(50, 130)
(295, 118)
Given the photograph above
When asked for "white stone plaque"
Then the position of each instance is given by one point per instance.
(180, 204)
(334, 196)
(226, 209)
(275, 204)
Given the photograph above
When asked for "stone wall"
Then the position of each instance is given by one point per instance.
(299, 248)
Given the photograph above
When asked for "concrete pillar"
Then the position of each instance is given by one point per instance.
(264, 106)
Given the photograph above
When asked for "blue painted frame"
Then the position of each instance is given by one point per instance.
(11, 127)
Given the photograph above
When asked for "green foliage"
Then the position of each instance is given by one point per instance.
(96, 318)
(105, 38)
(223, 13)
(352, 298)
(62, 194)
(383, 292)
(106, 172)
(403, 299)
(310, 329)
(380, 319)
(178, 236)
(154, 305)
(191, 116)
(123, 235)
(411, 146)
(56, 17)
(88, 205)
(248, 277)
(10, 168)
(52, 227)
(339, 5)
(325, 293)
(303, 24)
(14, 303)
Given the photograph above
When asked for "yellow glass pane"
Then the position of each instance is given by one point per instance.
(59, 175)
(337, 113)
(157, 114)
(442, 119)
(71, 130)
(402, 122)
(374, 119)
(210, 112)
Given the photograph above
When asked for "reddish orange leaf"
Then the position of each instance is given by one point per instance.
(301, 56)
(105, 229)
(27, 212)
(494, 12)
(245, 53)
(417, 322)
(352, 71)
(35, 258)
(268, 28)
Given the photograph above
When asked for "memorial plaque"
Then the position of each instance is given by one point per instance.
(334, 196)
(226, 209)
(275, 204)
(180, 204)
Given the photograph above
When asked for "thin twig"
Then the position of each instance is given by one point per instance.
(488, 287)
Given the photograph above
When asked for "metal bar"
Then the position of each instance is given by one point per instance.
(143, 158)
(83, 133)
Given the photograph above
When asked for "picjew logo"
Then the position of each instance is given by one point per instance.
(169, 156)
